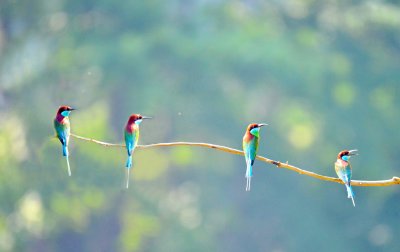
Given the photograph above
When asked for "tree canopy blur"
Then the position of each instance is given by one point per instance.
(323, 74)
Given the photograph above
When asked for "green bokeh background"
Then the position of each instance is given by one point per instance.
(324, 75)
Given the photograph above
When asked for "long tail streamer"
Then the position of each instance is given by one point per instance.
(350, 193)
(127, 178)
(249, 173)
(69, 168)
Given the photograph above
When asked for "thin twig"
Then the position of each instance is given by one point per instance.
(97, 141)
(389, 182)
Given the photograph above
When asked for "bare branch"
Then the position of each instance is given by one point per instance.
(389, 182)
(97, 141)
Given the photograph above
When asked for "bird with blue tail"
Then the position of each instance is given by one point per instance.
(63, 128)
(131, 139)
(250, 146)
(343, 170)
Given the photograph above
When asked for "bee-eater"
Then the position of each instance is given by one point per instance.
(250, 146)
(62, 127)
(131, 139)
(343, 170)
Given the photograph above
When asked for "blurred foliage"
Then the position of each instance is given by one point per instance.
(324, 75)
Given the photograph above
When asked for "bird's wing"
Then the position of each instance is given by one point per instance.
(253, 146)
(130, 142)
(62, 131)
(343, 171)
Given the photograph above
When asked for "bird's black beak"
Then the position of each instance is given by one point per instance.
(72, 109)
(353, 152)
(147, 117)
(262, 124)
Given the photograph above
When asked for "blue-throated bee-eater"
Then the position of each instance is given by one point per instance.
(62, 127)
(343, 170)
(250, 146)
(131, 139)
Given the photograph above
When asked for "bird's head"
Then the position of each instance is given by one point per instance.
(64, 111)
(254, 128)
(137, 118)
(346, 154)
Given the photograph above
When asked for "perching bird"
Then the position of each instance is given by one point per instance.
(62, 127)
(343, 170)
(131, 139)
(250, 146)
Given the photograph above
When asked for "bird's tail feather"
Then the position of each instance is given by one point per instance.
(129, 162)
(128, 168)
(69, 168)
(127, 177)
(249, 174)
(65, 150)
(350, 193)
